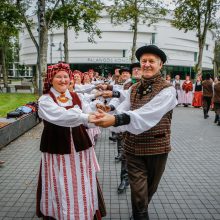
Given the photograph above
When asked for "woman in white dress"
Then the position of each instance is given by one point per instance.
(67, 186)
(187, 92)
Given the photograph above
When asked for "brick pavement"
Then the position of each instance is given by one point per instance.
(189, 189)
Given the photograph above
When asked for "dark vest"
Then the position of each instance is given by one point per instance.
(198, 87)
(157, 139)
(56, 139)
(216, 98)
(127, 85)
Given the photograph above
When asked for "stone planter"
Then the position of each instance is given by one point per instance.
(17, 127)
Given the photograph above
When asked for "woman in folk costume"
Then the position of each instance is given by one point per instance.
(177, 86)
(197, 98)
(86, 78)
(168, 78)
(187, 92)
(93, 132)
(67, 186)
(79, 86)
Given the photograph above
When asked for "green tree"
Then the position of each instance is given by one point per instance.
(45, 12)
(198, 15)
(10, 22)
(135, 12)
(79, 15)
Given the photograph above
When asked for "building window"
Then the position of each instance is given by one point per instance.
(124, 53)
(195, 56)
(207, 47)
(153, 38)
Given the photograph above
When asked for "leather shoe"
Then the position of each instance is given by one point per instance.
(206, 116)
(118, 157)
(123, 186)
(112, 139)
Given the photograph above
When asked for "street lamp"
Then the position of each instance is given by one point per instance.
(51, 48)
(61, 51)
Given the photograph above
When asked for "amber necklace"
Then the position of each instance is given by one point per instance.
(62, 98)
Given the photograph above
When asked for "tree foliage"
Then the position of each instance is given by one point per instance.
(198, 15)
(195, 14)
(10, 23)
(79, 15)
(147, 12)
(136, 12)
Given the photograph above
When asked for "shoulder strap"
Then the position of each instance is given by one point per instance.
(75, 99)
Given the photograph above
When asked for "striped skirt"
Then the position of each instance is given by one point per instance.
(187, 98)
(68, 185)
(93, 132)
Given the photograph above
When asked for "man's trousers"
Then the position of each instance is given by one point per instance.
(144, 173)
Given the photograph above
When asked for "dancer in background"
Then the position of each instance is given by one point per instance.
(207, 93)
(187, 92)
(197, 98)
(177, 86)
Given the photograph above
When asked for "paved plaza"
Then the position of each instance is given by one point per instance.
(189, 189)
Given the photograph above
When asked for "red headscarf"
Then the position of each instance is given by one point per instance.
(52, 71)
(78, 72)
(85, 74)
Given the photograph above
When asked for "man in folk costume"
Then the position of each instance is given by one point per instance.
(67, 186)
(135, 73)
(115, 76)
(145, 116)
(216, 100)
(136, 76)
(187, 92)
(111, 92)
(207, 93)
(114, 81)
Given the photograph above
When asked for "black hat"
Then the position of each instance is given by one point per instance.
(117, 67)
(207, 76)
(133, 65)
(124, 69)
(151, 49)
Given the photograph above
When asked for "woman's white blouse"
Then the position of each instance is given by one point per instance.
(58, 115)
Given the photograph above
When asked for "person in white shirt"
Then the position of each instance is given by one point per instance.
(145, 115)
(67, 186)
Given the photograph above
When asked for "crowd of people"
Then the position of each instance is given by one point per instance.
(136, 103)
(205, 93)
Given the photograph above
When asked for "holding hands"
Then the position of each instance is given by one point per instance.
(105, 108)
(107, 94)
(98, 93)
(102, 86)
(102, 119)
